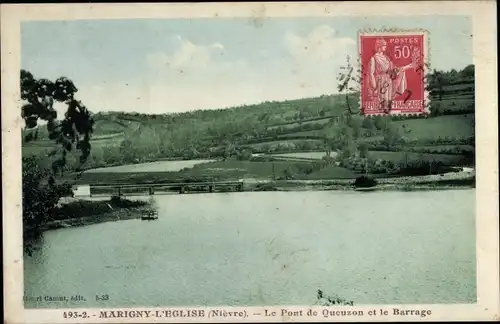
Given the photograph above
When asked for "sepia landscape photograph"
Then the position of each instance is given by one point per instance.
(248, 162)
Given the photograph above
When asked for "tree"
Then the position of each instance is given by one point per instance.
(244, 155)
(391, 136)
(468, 71)
(127, 151)
(348, 142)
(349, 83)
(379, 122)
(355, 123)
(332, 139)
(436, 82)
(73, 131)
(229, 150)
(363, 150)
(41, 193)
(368, 123)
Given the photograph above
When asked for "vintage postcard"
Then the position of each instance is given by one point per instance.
(250, 162)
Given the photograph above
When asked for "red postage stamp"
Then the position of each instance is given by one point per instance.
(393, 69)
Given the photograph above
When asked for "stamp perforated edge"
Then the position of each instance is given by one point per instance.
(426, 64)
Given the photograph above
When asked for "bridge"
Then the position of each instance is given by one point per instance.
(151, 189)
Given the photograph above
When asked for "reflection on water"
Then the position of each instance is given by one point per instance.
(267, 248)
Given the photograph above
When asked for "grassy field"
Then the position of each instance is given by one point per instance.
(296, 124)
(463, 87)
(301, 155)
(36, 150)
(455, 126)
(218, 170)
(159, 166)
(442, 148)
(446, 159)
(108, 136)
(273, 144)
(454, 99)
(42, 146)
(109, 125)
(316, 133)
(330, 172)
(453, 106)
(249, 168)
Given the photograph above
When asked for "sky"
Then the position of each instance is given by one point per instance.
(177, 65)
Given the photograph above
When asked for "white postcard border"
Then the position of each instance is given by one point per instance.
(484, 43)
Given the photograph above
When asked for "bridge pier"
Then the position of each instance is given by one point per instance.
(151, 191)
(211, 188)
(182, 189)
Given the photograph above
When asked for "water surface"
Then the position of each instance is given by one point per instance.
(268, 248)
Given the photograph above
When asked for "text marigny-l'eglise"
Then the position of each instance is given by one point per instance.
(156, 313)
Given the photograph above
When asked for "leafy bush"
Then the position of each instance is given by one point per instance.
(305, 169)
(269, 186)
(262, 158)
(365, 182)
(120, 202)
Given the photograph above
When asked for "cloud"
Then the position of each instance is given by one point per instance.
(319, 45)
(190, 76)
(116, 96)
(187, 56)
(315, 59)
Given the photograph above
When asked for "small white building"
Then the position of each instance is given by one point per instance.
(81, 191)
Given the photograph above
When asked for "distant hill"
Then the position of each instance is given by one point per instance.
(271, 112)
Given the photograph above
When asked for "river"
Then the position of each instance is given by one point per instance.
(267, 248)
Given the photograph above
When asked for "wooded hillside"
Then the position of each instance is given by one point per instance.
(305, 125)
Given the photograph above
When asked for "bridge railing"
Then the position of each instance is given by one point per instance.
(182, 187)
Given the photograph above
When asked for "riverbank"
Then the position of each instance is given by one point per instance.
(445, 181)
(111, 216)
(429, 182)
(71, 212)
(388, 187)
